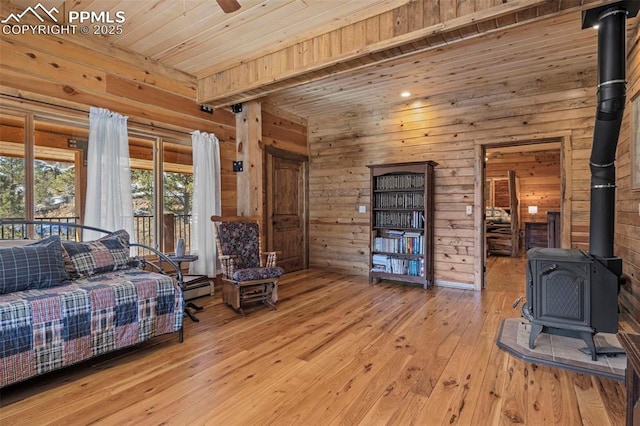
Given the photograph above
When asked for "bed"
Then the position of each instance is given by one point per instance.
(502, 229)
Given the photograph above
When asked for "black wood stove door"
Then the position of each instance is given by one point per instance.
(562, 296)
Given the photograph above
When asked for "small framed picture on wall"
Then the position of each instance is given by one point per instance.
(635, 144)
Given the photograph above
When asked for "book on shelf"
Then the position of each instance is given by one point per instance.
(393, 233)
(395, 265)
(412, 234)
(380, 263)
(399, 242)
(400, 219)
(400, 182)
(399, 266)
(399, 200)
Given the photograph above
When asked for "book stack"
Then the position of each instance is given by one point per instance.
(403, 181)
(397, 219)
(394, 265)
(399, 200)
(399, 242)
(380, 263)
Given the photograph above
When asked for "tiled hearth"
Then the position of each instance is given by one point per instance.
(560, 351)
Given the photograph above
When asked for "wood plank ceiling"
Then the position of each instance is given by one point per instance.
(533, 38)
(532, 52)
(197, 37)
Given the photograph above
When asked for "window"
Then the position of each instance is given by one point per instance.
(12, 171)
(172, 171)
(43, 176)
(58, 166)
(143, 189)
(45, 187)
(177, 193)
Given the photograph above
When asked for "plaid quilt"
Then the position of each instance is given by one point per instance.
(43, 330)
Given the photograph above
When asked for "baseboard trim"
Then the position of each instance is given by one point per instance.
(451, 284)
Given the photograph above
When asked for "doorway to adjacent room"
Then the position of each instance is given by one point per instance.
(522, 187)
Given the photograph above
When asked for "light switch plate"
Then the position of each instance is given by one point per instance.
(362, 209)
(469, 210)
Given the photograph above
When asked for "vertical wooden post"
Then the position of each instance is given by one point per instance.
(479, 238)
(80, 159)
(249, 151)
(566, 191)
(29, 168)
(169, 237)
(514, 206)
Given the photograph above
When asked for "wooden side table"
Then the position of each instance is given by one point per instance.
(631, 345)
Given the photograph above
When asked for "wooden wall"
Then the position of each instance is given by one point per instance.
(284, 131)
(55, 70)
(445, 129)
(538, 175)
(627, 239)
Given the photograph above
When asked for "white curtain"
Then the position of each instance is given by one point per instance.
(206, 201)
(109, 203)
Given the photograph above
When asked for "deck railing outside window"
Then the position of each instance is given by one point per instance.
(176, 226)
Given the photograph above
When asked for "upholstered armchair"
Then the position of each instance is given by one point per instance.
(248, 274)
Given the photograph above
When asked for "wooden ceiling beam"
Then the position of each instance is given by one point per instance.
(381, 38)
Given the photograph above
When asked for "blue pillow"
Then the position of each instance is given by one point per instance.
(34, 266)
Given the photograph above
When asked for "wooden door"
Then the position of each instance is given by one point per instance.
(286, 201)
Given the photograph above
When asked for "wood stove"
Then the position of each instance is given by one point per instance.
(570, 292)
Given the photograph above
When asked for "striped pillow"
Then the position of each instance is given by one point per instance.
(34, 266)
(109, 253)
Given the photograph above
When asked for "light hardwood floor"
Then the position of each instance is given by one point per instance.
(337, 351)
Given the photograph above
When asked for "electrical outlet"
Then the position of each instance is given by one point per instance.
(469, 210)
(206, 108)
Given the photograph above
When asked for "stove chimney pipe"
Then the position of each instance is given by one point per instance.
(611, 20)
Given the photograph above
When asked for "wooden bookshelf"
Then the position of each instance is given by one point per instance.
(402, 222)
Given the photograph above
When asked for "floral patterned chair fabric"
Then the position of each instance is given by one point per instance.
(241, 239)
(248, 274)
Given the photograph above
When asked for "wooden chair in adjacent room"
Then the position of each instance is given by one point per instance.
(249, 275)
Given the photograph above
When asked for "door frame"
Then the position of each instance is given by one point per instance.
(272, 152)
(480, 148)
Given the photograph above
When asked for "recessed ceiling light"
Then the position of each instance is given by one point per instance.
(405, 94)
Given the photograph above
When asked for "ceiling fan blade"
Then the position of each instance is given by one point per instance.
(229, 6)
